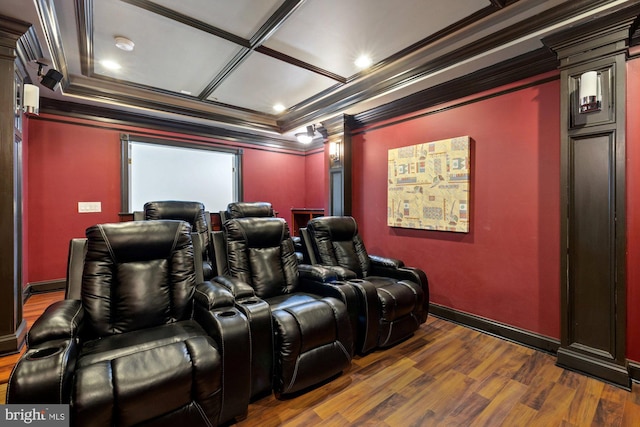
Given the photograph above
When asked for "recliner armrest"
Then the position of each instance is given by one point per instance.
(318, 273)
(216, 313)
(339, 273)
(213, 295)
(380, 261)
(60, 321)
(342, 272)
(400, 272)
(342, 291)
(238, 288)
(44, 374)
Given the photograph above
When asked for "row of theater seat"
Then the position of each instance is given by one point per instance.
(164, 310)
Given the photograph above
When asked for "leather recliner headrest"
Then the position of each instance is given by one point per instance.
(141, 240)
(335, 228)
(249, 209)
(191, 212)
(257, 232)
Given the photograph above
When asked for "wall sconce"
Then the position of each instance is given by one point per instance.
(31, 99)
(334, 151)
(590, 92)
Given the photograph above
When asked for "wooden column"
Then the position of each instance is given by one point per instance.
(12, 325)
(593, 223)
(339, 172)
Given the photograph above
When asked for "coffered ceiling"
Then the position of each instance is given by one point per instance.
(227, 63)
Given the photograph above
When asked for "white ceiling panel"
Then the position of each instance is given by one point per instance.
(167, 55)
(331, 34)
(240, 17)
(261, 81)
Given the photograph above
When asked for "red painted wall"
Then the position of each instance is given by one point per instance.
(67, 164)
(79, 160)
(633, 210)
(274, 177)
(507, 268)
(315, 180)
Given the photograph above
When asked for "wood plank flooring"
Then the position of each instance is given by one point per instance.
(445, 375)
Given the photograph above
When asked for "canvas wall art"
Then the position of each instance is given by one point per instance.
(428, 186)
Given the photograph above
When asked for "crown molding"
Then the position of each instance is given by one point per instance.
(118, 118)
(525, 66)
(12, 29)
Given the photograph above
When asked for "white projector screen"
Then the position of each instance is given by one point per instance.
(169, 172)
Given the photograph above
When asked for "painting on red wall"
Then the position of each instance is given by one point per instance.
(428, 186)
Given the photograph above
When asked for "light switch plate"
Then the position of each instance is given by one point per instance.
(86, 207)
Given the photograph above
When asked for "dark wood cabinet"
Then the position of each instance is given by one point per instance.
(301, 216)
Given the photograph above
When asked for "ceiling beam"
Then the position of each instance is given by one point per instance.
(232, 65)
(298, 63)
(273, 23)
(187, 20)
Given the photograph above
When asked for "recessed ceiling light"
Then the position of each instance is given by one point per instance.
(110, 65)
(363, 61)
(124, 43)
(278, 108)
(186, 92)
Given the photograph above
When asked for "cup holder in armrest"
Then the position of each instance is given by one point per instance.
(339, 283)
(355, 281)
(250, 301)
(227, 313)
(44, 352)
(44, 373)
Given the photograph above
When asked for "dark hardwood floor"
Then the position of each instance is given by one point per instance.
(445, 375)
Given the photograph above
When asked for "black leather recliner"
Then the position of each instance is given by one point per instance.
(236, 210)
(394, 299)
(145, 343)
(195, 214)
(312, 334)
(255, 210)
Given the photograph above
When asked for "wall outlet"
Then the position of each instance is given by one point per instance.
(85, 207)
